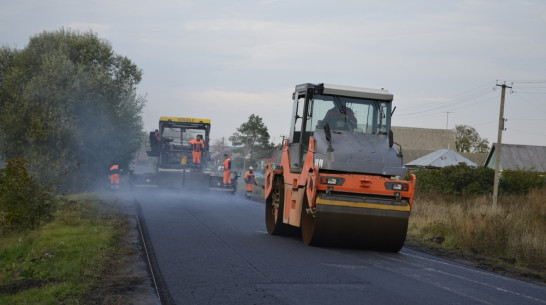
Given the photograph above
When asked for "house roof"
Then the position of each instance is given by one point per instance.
(417, 142)
(438, 159)
(478, 158)
(423, 138)
(519, 157)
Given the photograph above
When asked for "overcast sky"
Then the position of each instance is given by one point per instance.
(225, 60)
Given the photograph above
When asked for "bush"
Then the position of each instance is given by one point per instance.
(23, 202)
(460, 180)
(457, 180)
(518, 182)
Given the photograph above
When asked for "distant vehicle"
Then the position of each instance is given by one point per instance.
(171, 155)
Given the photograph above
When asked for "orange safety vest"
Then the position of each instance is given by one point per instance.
(227, 164)
(197, 145)
(250, 178)
(114, 174)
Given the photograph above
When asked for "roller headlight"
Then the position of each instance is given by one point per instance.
(332, 180)
(396, 186)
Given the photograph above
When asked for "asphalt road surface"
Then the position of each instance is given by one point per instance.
(214, 249)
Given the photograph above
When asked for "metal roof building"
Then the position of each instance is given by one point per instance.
(519, 157)
(417, 142)
(439, 159)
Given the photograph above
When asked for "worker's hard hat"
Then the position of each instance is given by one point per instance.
(251, 168)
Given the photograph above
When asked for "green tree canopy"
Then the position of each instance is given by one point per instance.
(467, 139)
(254, 139)
(69, 104)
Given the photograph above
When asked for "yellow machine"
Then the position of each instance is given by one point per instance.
(340, 179)
(171, 150)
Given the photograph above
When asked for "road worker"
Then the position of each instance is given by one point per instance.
(155, 141)
(250, 180)
(227, 170)
(198, 146)
(114, 176)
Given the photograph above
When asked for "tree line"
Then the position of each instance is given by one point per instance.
(68, 111)
(69, 107)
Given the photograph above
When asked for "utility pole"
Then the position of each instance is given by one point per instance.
(447, 117)
(498, 147)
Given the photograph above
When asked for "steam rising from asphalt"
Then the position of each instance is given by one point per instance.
(165, 196)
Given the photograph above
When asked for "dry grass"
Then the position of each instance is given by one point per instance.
(514, 233)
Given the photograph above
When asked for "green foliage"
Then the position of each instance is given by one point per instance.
(69, 106)
(458, 179)
(254, 139)
(24, 203)
(467, 139)
(62, 263)
(464, 180)
(519, 182)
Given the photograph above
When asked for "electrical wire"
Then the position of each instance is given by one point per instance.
(458, 100)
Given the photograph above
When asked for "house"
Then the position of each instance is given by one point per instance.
(478, 158)
(418, 142)
(439, 159)
(519, 157)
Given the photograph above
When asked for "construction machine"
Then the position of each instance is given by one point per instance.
(341, 180)
(170, 150)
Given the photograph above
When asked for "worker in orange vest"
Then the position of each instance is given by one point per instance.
(250, 180)
(114, 176)
(198, 146)
(227, 170)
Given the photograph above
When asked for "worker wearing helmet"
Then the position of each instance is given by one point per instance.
(197, 146)
(227, 170)
(250, 180)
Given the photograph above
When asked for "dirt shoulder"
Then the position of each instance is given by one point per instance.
(128, 280)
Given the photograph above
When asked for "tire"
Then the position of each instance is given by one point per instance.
(274, 208)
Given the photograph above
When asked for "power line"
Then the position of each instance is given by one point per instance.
(528, 81)
(467, 96)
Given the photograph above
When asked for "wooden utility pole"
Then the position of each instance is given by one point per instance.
(447, 118)
(498, 147)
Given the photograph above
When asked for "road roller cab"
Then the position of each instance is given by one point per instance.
(341, 177)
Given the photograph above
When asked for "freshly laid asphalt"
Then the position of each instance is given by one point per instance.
(214, 249)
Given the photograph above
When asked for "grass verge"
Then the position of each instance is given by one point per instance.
(510, 238)
(63, 261)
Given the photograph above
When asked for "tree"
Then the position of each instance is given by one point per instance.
(254, 139)
(217, 151)
(467, 139)
(68, 105)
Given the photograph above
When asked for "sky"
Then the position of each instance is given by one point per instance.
(444, 61)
